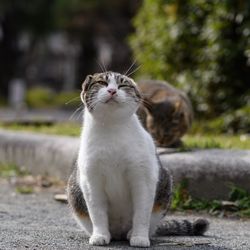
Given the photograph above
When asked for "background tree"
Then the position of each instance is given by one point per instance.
(85, 21)
(201, 46)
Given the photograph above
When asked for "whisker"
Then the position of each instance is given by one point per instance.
(93, 104)
(100, 66)
(72, 116)
(103, 65)
(72, 100)
(146, 104)
(134, 70)
(80, 113)
(131, 66)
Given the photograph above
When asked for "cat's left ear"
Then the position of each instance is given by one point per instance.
(86, 83)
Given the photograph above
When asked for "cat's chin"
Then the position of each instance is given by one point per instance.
(113, 111)
(111, 101)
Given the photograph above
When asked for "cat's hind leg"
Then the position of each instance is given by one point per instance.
(78, 205)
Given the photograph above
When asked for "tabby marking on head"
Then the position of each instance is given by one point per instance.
(95, 85)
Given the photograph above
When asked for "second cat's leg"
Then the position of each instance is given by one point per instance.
(143, 192)
(96, 201)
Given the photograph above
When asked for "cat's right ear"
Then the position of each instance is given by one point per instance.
(86, 83)
(85, 86)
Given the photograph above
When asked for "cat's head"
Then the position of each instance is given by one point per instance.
(110, 94)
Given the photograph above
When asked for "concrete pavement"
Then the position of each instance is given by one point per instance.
(37, 221)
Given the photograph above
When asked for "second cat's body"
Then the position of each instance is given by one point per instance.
(168, 114)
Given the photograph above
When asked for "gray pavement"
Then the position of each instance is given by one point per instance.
(37, 221)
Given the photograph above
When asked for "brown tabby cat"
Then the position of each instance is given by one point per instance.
(167, 112)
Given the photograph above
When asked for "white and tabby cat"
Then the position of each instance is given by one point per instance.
(119, 189)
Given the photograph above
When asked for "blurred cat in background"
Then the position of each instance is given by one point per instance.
(167, 112)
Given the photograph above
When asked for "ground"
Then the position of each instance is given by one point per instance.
(37, 221)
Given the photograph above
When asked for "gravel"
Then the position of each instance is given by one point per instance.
(37, 221)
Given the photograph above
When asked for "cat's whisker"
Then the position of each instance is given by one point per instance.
(103, 64)
(100, 66)
(132, 72)
(80, 113)
(131, 66)
(79, 108)
(146, 95)
(93, 104)
(72, 100)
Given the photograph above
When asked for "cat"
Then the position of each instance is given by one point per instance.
(119, 190)
(168, 112)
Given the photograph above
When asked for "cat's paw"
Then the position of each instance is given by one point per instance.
(99, 240)
(139, 241)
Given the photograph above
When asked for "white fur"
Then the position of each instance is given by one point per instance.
(118, 171)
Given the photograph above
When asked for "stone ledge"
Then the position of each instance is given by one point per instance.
(38, 153)
(208, 172)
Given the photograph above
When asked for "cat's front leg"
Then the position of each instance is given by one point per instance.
(96, 201)
(143, 193)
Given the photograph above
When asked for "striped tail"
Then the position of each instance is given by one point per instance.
(182, 227)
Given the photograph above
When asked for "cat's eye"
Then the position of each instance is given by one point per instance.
(102, 83)
(124, 86)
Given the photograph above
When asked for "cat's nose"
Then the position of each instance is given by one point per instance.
(112, 91)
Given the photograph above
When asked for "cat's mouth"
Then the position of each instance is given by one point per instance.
(111, 100)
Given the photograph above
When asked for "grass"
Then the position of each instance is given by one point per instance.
(238, 203)
(191, 141)
(206, 141)
(10, 170)
(24, 190)
(69, 129)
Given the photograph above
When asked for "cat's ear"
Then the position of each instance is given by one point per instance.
(86, 83)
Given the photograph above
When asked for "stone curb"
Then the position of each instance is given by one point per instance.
(208, 173)
(38, 153)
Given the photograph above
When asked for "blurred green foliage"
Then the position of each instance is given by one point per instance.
(236, 121)
(39, 97)
(201, 46)
(238, 202)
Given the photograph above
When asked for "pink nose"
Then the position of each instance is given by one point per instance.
(112, 91)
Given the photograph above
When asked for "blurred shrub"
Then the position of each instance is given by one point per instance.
(237, 121)
(69, 100)
(40, 97)
(3, 102)
(200, 46)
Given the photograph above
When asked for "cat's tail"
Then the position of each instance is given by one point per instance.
(182, 227)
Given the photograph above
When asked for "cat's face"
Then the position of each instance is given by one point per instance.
(110, 94)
